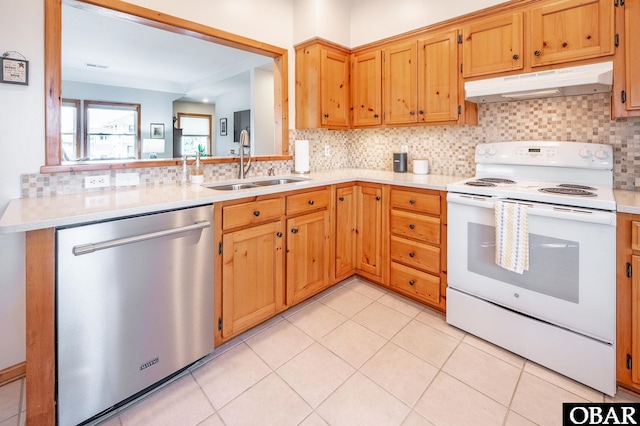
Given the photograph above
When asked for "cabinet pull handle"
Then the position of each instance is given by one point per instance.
(412, 254)
(412, 282)
(412, 113)
(326, 116)
(378, 198)
(565, 44)
(375, 116)
(421, 112)
(537, 53)
(341, 198)
(412, 201)
(279, 234)
(516, 57)
(294, 230)
(412, 226)
(256, 213)
(311, 202)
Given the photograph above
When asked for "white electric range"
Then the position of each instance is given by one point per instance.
(560, 311)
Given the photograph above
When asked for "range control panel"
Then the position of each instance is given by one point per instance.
(546, 153)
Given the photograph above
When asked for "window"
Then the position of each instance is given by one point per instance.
(70, 129)
(196, 133)
(112, 130)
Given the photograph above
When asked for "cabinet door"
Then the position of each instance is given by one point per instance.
(366, 86)
(438, 77)
(369, 229)
(492, 45)
(308, 239)
(401, 83)
(345, 219)
(635, 318)
(570, 30)
(334, 83)
(632, 54)
(252, 276)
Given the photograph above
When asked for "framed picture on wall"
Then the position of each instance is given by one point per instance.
(157, 131)
(223, 127)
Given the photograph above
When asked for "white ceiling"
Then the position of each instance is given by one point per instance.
(143, 57)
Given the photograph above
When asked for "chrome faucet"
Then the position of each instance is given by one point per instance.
(244, 143)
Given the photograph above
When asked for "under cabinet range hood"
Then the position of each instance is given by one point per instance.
(579, 80)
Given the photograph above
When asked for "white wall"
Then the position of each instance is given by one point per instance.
(226, 105)
(328, 19)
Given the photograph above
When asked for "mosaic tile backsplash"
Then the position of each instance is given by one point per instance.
(449, 149)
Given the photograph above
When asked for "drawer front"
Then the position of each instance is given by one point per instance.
(635, 235)
(416, 283)
(415, 254)
(252, 213)
(308, 201)
(415, 201)
(412, 225)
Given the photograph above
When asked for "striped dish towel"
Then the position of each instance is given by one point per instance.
(512, 236)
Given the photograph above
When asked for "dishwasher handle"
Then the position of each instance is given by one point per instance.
(92, 247)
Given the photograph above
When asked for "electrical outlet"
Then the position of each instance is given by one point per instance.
(99, 181)
(327, 150)
(127, 179)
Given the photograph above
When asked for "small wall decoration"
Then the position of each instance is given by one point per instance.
(223, 127)
(14, 71)
(157, 131)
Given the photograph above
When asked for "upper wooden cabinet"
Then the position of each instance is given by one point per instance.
(626, 79)
(570, 30)
(493, 45)
(322, 86)
(366, 88)
(401, 83)
(438, 77)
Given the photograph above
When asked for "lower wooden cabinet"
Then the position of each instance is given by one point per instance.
(345, 232)
(628, 301)
(369, 228)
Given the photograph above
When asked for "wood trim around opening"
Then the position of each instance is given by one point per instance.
(12, 373)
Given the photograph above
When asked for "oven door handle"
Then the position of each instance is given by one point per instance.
(473, 200)
(602, 218)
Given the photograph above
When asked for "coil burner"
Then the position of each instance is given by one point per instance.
(574, 186)
(496, 180)
(568, 191)
(478, 183)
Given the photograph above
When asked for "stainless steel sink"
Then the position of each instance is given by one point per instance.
(231, 187)
(277, 181)
(256, 184)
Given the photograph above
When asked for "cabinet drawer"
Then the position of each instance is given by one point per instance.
(415, 254)
(635, 235)
(308, 201)
(416, 201)
(251, 213)
(412, 225)
(415, 283)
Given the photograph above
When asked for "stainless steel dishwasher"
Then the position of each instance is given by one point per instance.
(134, 304)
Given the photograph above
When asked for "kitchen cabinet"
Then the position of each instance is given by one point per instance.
(370, 230)
(493, 45)
(249, 268)
(401, 83)
(308, 245)
(345, 232)
(418, 244)
(628, 301)
(322, 86)
(626, 79)
(570, 30)
(366, 88)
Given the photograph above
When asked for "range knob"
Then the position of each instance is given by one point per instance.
(584, 153)
(601, 154)
(492, 151)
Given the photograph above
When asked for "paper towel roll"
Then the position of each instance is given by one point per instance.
(420, 167)
(301, 157)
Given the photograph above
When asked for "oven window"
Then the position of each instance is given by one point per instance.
(553, 263)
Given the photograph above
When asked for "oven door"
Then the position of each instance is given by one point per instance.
(571, 276)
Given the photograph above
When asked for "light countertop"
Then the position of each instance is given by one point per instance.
(28, 214)
(627, 201)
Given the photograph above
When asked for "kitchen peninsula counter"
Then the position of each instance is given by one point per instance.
(28, 214)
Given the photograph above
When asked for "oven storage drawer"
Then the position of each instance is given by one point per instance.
(415, 254)
(247, 214)
(419, 227)
(415, 201)
(415, 283)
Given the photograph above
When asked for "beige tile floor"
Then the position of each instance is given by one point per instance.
(353, 355)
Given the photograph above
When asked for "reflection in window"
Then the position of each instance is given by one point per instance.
(70, 129)
(196, 133)
(112, 130)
